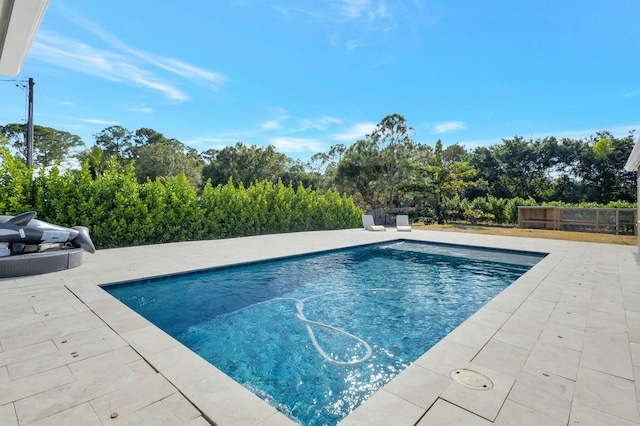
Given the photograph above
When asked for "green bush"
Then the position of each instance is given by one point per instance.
(119, 211)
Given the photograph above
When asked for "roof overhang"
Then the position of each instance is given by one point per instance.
(19, 23)
(633, 163)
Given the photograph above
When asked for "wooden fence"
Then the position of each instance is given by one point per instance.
(604, 221)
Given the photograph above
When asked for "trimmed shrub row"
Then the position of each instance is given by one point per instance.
(121, 212)
(505, 210)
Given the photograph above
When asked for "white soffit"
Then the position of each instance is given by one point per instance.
(633, 163)
(19, 23)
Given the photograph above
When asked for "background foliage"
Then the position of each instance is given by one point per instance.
(154, 182)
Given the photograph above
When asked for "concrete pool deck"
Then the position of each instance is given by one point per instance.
(561, 344)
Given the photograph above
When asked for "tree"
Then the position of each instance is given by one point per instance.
(443, 179)
(359, 173)
(602, 168)
(454, 153)
(163, 159)
(245, 164)
(391, 137)
(115, 140)
(96, 160)
(49, 145)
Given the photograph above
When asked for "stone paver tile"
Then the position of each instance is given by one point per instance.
(181, 407)
(536, 309)
(555, 360)
(119, 317)
(485, 403)
(544, 393)
(8, 312)
(577, 296)
(59, 358)
(65, 321)
(80, 415)
(560, 335)
(73, 340)
(276, 419)
(25, 353)
(89, 293)
(61, 307)
(549, 292)
(504, 304)
(607, 353)
(22, 388)
(96, 322)
(83, 389)
(489, 317)
(604, 392)
(135, 396)
(472, 334)
(613, 323)
(200, 421)
(38, 332)
(220, 396)
(4, 375)
(384, 409)
(446, 356)
(586, 416)
(516, 339)
(631, 300)
(141, 368)
(155, 413)
(182, 366)
(418, 385)
(570, 316)
(636, 373)
(502, 357)
(8, 415)
(513, 413)
(444, 413)
(23, 319)
(520, 324)
(149, 340)
(99, 363)
(633, 326)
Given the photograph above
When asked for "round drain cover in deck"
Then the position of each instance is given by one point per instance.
(472, 379)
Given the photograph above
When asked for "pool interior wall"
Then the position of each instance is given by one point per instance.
(434, 252)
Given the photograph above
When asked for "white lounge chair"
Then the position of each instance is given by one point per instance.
(402, 223)
(369, 224)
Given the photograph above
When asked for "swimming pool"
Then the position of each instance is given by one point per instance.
(400, 298)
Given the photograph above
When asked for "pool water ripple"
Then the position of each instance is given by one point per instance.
(400, 298)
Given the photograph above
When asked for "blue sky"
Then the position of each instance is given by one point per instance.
(305, 75)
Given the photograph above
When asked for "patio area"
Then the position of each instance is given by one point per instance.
(561, 344)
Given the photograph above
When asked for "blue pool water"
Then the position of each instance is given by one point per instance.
(370, 311)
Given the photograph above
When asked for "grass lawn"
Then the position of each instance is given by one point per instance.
(630, 240)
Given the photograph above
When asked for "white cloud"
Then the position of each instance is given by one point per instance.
(448, 126)
(287, 144)
(140, 109)
(320, 123)
(633, 93)
(270, 125)
(98, 121)
(354, 8)
(120, 62)
(351, 23)
(355, 132)
(67, 53)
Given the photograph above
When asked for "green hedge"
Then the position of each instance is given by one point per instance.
(121, 212)
(505, 211)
